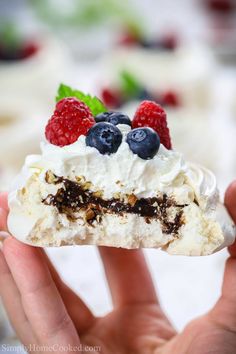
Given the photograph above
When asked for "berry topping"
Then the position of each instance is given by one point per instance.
(144, 142)
(144, 94)
(111, 98)
(70, 119)
(29, 49)
(102, 117)
(105, 137)
(150, 114)
(114, 118)
(170, 98)
(128, 39)
(170, 41)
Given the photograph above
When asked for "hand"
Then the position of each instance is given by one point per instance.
(44, 311)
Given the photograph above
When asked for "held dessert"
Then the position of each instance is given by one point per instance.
(106, 180)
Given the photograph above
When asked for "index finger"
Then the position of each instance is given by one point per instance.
(128, 276)
(41, 300)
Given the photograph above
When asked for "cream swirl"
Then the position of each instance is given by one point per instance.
(203, 182)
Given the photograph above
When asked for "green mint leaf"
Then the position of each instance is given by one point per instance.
(96, 106)
(130, 86)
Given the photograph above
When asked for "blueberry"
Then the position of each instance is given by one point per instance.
(118, 118)
(145, 43)
(151, 44)
(105, 137)
(114, 118)
(102, 117)
(144, 142)
(143, 95)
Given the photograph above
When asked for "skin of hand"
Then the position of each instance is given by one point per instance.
(45, 311)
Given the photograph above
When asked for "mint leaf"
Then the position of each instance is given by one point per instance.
(96, 106)
(130, 86)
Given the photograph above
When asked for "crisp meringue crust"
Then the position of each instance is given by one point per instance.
(206, 227)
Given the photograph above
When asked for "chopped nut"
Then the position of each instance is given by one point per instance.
(99, 218)
(132, 199)
(87, 185)
(98, 194)
(80, 179)
(50, 178)
(89, 214)
(116, 195)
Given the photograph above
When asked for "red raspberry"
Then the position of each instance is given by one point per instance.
(170, 98)
(150, 114)
(128, 39)
(170, 41)
(29, 49)
(111, 98)
(70, 119)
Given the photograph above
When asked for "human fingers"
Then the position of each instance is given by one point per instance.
(41, 300)
(128, 276)
(11, 299)
(76, 308)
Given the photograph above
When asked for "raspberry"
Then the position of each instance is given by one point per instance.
(170, 98)
(70, 119)
(29, 49)
(111, 98)
(128, 39)
(170, 41)
(150, 114)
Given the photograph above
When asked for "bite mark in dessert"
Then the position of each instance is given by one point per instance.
(114, 184)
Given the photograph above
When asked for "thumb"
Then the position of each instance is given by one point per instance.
(230, 203)
(224, 311)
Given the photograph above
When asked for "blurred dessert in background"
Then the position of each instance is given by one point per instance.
(13, 47)
(88, 27)
(21, 122)
(182, 68)
(128, 88)
(30, 64)
(221, 31)
(133, 37)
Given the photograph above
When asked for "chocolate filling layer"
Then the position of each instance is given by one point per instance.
(72, 197)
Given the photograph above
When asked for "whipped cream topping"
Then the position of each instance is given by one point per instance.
(124, 172)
